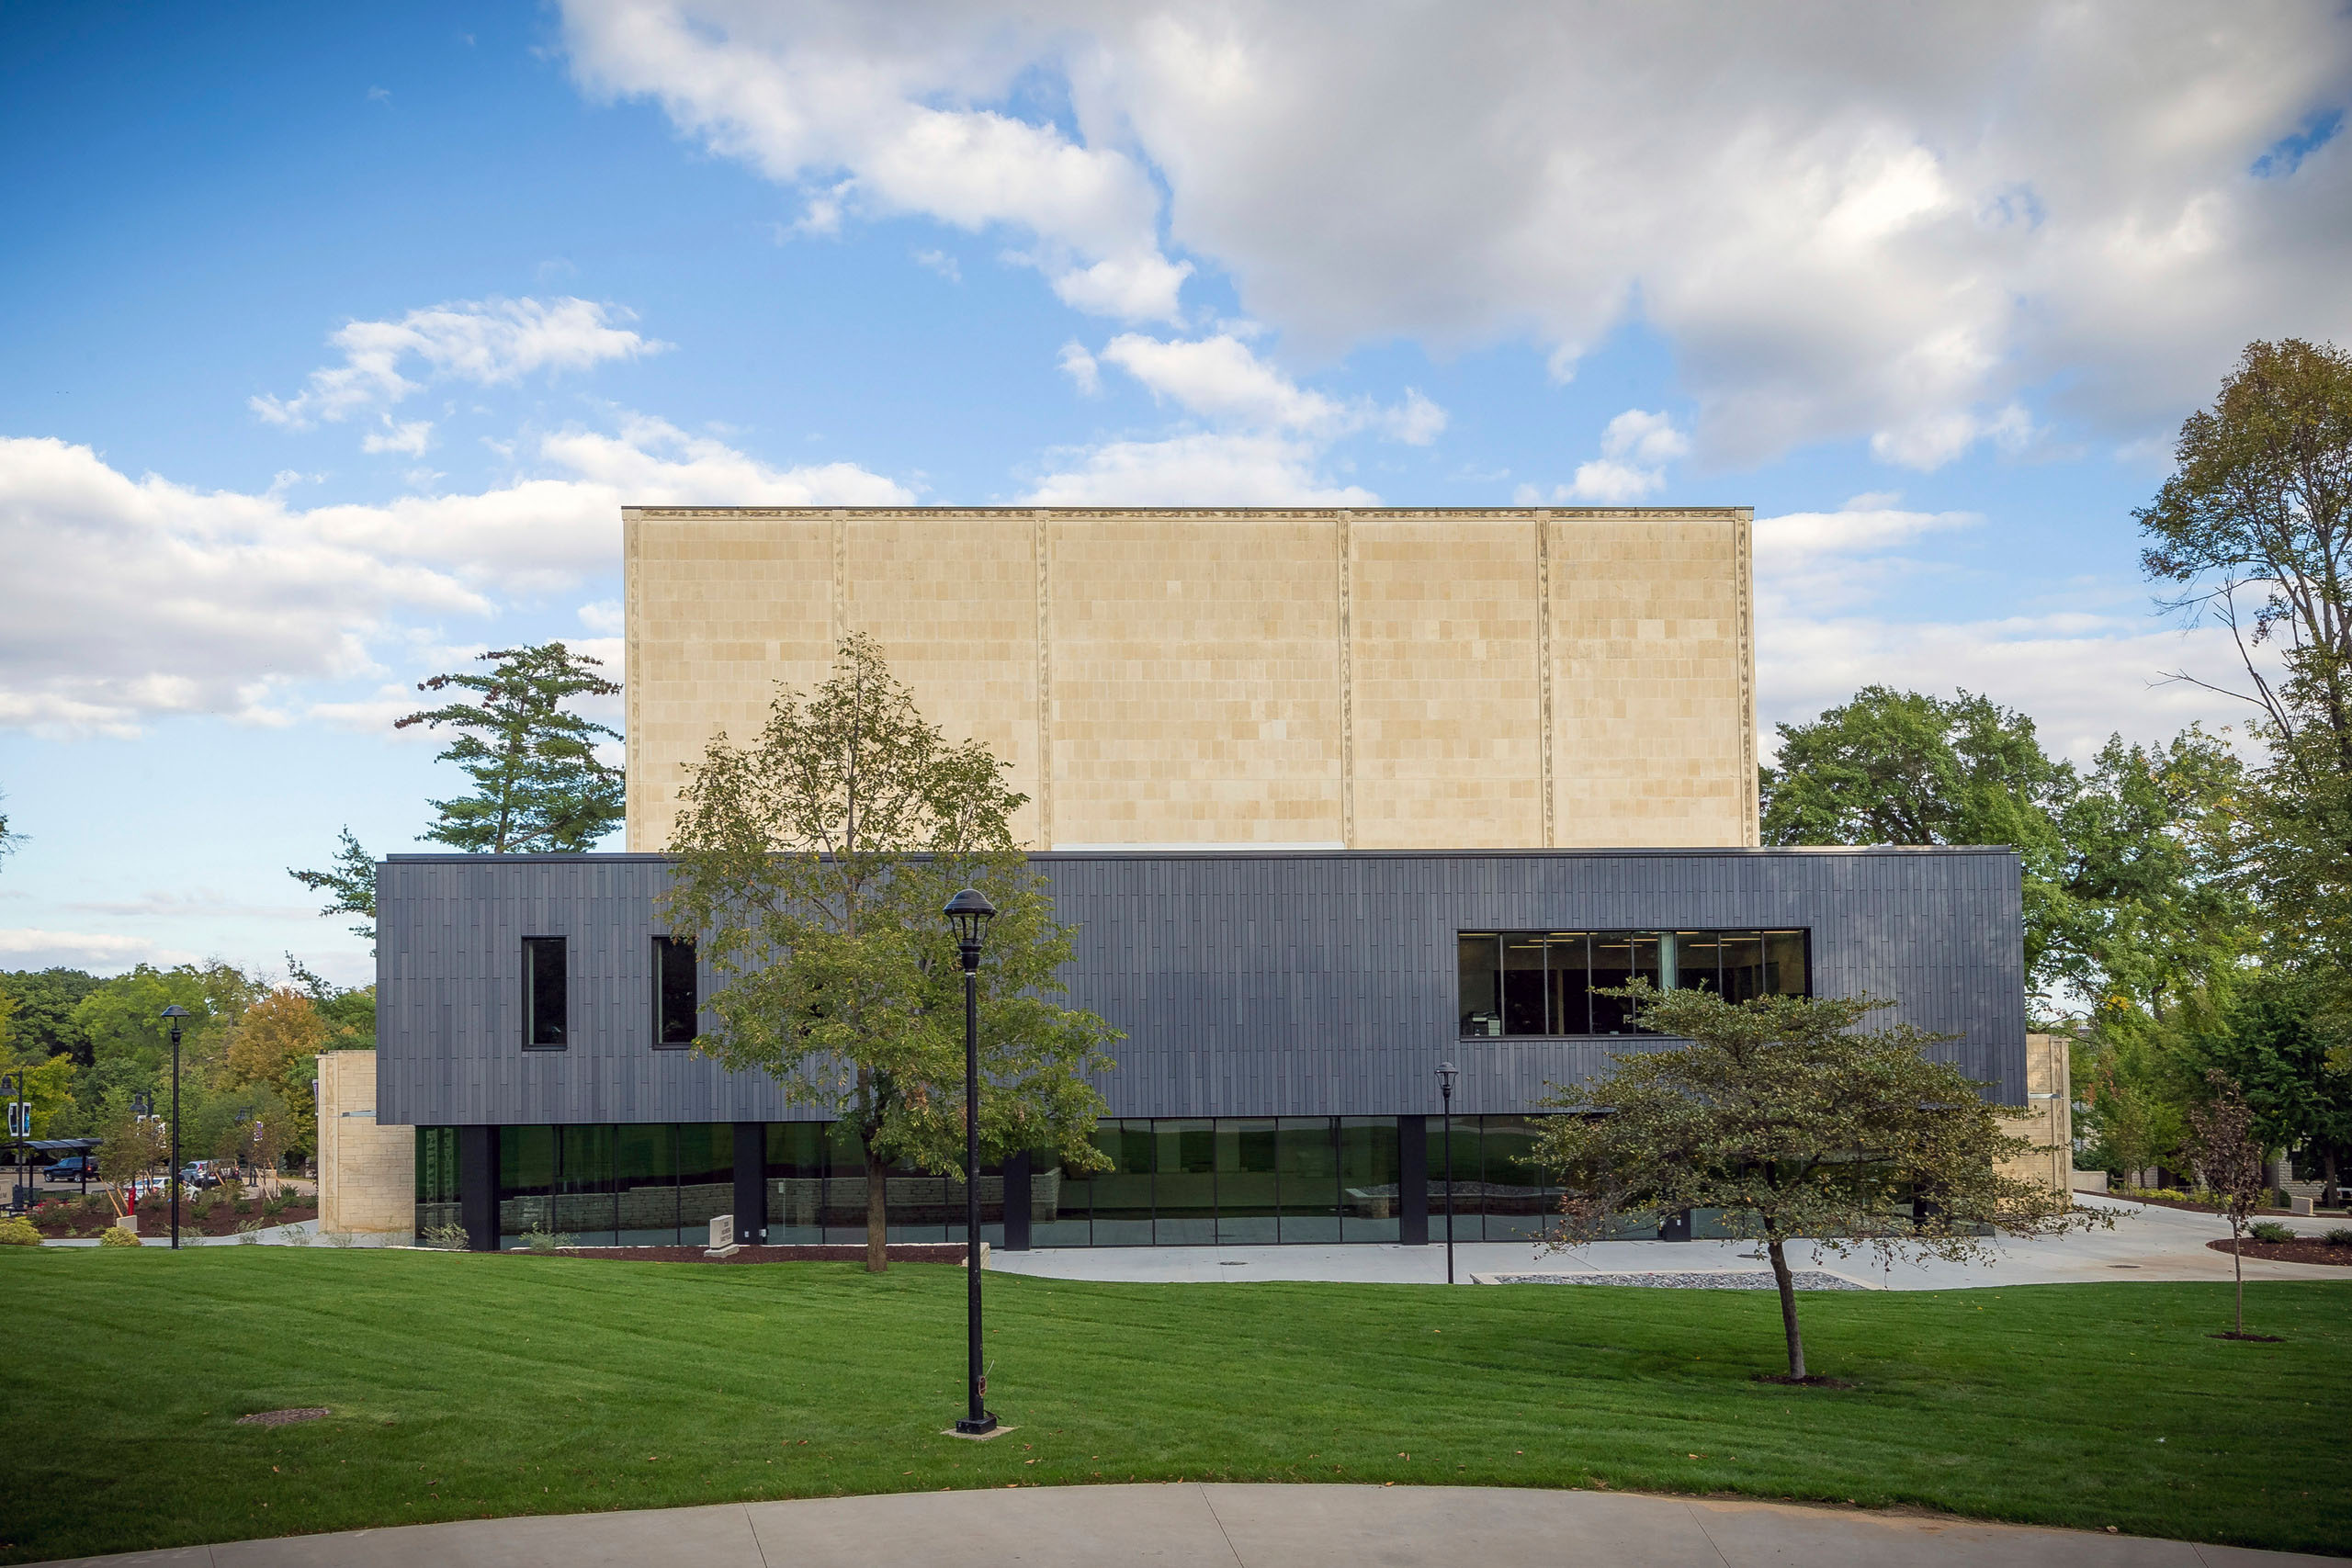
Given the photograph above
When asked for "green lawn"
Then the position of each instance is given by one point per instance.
(469, 1386)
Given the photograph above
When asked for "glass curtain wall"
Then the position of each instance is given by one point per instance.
(1232, 1180)
(1543, 983)
(436, 1179)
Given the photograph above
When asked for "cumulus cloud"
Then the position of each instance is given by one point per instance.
(1203, 469)
(1635, 447)
(30, 947)
(139, 597)
(1081, 368)
(484, 342)
(1848, 220)
(884, 111)
(1222, 379)
(411, 436)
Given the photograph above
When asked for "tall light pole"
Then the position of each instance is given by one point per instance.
(175, 1012)
(1446, 1073)
(12, 1088)
(969, 913)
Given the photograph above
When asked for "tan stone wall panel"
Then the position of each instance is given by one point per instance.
(366, 1173)
(1199, 689)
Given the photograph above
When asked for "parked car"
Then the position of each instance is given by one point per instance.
(200, 1173)
(75, 1167)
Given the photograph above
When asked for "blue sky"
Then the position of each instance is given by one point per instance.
(337, 338)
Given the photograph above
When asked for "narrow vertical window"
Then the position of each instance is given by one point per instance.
(675, 1001)
(545, 997)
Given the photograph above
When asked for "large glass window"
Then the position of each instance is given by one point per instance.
(645, 1183)
(1371, 1179)
(1122, 1198)
(1543, 983)
(436, 1178)
(1249, 1195)
(525, 1183)
(1307, 1156)
(545, 994)
(1185, 1183)
(674, 996)
(796, 1179)
(705, 1177)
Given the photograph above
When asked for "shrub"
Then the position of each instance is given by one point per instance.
(2271, 1230)
(539, 1240)
(115, 1236)
(18, 1231)
(249, 1233)
(2339, 1237)
(452, 1239)
(275, 1204)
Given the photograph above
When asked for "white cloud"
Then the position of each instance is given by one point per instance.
(133, 598)
(604, 615)
(940, 263)
(485, 342)
(1846, 221)
(1081, 368)
(1635, 447)
(25, 947)
(880, 111)
(411, 436)
(1221, 469)
(1222, 379)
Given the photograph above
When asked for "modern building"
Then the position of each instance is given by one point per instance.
(1332, 798)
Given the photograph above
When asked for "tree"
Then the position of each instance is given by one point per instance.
(2269, 1040)
(2229, 1163)
(2253, 529)
(282, 1027)
(1893, 767)
(811, 869)
(130, 1147)
(349, 883)
(539, 787)
(1780, 1115)
(44, 1020)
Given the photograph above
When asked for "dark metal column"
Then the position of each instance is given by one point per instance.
(478, 1186)
(751, 1182)
(1413, 1181)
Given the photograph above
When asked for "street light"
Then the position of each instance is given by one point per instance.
(1446, 1073)
(969, 913)
(12, 1089)
(175, 1012)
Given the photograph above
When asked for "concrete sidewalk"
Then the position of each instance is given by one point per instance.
(2148, 1242)
(1221, 1526)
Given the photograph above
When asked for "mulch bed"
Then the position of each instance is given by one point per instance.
(66, 1219)
(900, 1252)
(2310, 1249)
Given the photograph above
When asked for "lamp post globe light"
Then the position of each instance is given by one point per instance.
(969, 913)
(1446, 1073)
(175, 1013)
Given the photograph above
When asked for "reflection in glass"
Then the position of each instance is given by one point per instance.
(1568, 955)
(1612, 969)
(583, 1175)
(1513, 1194)
(844, 1215)
(1247, 1200)
(1523, 985)
(644, 1181)
(705, 1178)
(1466, 1178)
(1788, 971)
(1481, 962)
(674, 997)
(1062, 1203)
(1309, 1162)
(1743, 965)
(796, 1181)
(1185, 1183)
(545, 999)
(436, 1179)
(1123, 1193)
(525, 1182)
(1371, 1178)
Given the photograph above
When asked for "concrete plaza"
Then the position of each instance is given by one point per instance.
(2147, 1242)
(1220, 1526)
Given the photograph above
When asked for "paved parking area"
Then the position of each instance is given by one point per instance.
(1223, 1526)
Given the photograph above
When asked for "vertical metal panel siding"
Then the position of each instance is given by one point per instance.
(1246, 984)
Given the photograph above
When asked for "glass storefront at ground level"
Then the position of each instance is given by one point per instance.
(1165, 1183)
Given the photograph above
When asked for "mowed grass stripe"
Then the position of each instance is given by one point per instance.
(465, 1386)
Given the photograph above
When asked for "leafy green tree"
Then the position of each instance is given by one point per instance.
(44, 1021)
(2269, 1040)
(539, 787)
(349, 884)
(1891, 767)
(811, 869)
(1782, 1115)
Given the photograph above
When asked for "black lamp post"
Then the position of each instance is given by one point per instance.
(969, 913)
(1446, 1073)
(175, 1012)
(12, 1088)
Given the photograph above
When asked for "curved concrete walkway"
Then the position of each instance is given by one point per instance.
(1216, 1526)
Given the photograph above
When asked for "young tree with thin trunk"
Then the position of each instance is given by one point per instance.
(1779, 1113)
(2229, 1164)
(811, 870)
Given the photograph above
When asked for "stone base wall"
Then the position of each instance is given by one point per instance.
(2050, 1095)
(366, 1173)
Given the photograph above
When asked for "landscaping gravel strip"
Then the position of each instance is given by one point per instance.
(1701, 1279)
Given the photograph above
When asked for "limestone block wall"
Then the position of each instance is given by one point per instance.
(2049, 1093)
(1389, 679)
(366, 1173)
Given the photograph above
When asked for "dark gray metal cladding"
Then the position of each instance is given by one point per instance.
(1269, 983)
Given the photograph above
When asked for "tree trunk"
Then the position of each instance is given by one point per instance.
(2237, 1267)
(2329, 1194)
(1787, 1282)
(877, 1213)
